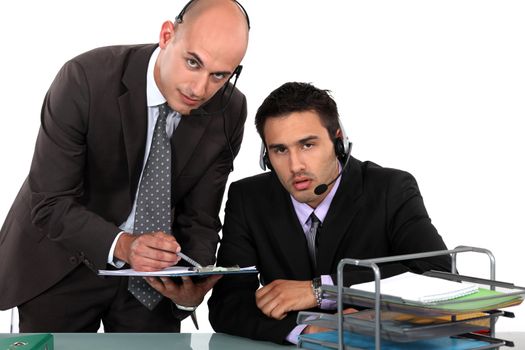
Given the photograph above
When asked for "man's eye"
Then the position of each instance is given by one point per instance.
(192, 63)
(219, 76)
(308, 145)
(279, 150)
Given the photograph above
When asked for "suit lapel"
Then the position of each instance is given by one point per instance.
(134, 113)
(287, 234)
(186, 138)
(191, 128)
(346, 204)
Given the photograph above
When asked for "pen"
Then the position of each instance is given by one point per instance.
(194, 319)
(188, 259)
(184, 257)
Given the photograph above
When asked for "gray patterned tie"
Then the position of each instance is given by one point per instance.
(153, 211)
(310, 237)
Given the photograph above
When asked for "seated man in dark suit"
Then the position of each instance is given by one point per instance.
(317, 206)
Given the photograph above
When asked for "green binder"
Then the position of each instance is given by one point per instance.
(27, 342)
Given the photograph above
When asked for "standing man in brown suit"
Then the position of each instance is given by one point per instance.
(76, 210)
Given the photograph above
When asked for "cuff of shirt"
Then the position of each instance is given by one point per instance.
(325, 303)
(293, 336)
(111, 259)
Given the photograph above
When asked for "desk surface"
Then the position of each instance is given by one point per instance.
(157, 341)
(185, 341)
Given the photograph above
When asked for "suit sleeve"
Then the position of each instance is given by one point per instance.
(410, 229)
(197, 221)
(56, 177)
(232, 305)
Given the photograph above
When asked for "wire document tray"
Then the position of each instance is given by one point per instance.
(352, 341)
(399, 327)
(402, 324)
(484, 300)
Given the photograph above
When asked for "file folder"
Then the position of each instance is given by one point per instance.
(28, 342)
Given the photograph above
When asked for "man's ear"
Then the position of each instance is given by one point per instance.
(166, 33)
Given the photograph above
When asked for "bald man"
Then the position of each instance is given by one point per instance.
(76, 211)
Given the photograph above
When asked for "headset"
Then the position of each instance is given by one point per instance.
(180, 16)
(342, 148)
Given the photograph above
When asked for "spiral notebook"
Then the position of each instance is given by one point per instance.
(412, 287)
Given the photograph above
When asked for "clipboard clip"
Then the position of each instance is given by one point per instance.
(212, 268)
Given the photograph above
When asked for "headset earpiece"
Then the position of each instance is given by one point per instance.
(264, 159)
(339, 148)
(238, 70)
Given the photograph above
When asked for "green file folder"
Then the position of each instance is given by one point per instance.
(27, 342)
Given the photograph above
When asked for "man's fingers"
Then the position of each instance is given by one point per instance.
(154, 247)
(274, 310)
(160, 241)
(349, 311)
(164, 241)
(146, 264)
(264, 291)
(267, 296)
(210, 281)
(203, 286)
(155, 283)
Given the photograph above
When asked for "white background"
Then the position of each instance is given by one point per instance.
(432, 87)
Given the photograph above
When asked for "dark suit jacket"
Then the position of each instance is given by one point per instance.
(375, 212)
(86, 166)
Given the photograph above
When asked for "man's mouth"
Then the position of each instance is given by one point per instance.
(189, 101)
(301, 184)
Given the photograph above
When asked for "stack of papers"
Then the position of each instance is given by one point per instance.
(412, 287)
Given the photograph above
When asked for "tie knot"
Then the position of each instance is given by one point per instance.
(314, 220)
(164, 110)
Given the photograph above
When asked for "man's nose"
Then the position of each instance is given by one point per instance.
(296, 162)
(200, 84)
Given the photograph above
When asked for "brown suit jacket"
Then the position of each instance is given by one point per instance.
(87, 163)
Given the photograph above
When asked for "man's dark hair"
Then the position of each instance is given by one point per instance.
(299, 97)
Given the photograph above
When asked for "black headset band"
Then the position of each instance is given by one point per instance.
(180, 16)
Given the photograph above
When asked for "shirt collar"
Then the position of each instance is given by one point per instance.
(303, 210)
(153, 94)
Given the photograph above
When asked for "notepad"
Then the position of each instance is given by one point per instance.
(413, 287)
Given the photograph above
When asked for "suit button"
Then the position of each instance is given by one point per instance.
(73, 259)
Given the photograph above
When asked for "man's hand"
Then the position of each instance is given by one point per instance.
(187, 293)
(276, 299)
(316, 329)
(149, 251)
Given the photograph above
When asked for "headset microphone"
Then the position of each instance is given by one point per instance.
(320, 189)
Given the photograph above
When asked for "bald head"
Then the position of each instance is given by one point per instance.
(216, 15)
(221, 21)
(196, 8)
(200, 53)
